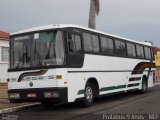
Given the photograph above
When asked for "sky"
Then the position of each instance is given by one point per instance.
(135, 19)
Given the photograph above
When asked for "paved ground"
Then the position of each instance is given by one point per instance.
(4, 102)
(132, 106)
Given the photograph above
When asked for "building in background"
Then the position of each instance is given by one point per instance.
(157, 53)
(4, 55)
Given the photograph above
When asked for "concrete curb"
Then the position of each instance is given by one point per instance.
(22, 107)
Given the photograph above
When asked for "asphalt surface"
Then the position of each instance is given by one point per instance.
(127, 106)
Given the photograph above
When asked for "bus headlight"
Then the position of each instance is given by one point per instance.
(54, 94)
(14, 95)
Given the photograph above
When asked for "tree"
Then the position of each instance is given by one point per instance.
(94, 11)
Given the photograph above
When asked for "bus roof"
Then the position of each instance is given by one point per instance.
(54, 26)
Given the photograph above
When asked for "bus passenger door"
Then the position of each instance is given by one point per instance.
(74, 50)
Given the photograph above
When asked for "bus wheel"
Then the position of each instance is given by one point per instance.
(144, 85)
(89, 95)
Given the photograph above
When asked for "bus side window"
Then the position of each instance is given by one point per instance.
(107, 45)
(95, 43)
(131, 50)
(91, 43)
(87, 41)
(78, 47)
(147, 52)
(140, 52)
(74, 43)
(152, 54)
(120, 48)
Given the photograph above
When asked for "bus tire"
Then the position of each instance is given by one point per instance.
(89, 95)
(144, 86)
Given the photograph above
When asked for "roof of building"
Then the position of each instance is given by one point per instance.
(54, 26)
(4, 35)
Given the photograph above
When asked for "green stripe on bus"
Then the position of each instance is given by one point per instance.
(133, 85)
(112, 88)
(135, 79)
(106, 89)
(81, 92)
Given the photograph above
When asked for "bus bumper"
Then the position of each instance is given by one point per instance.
(55, 94)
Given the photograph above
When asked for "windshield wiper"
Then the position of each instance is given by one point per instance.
(21, 60)
(24, 58)
(38, 56)
(18, 65)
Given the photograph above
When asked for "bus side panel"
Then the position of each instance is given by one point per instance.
(113, 74)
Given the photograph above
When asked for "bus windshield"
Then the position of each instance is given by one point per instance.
(37, 50)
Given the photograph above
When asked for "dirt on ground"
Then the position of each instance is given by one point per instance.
(3, 91)
(6, 104)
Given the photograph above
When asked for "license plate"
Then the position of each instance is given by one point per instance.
(31, 95)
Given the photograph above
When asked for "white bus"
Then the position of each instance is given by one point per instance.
(65, 63)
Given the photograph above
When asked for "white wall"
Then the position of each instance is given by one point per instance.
(3, 65)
